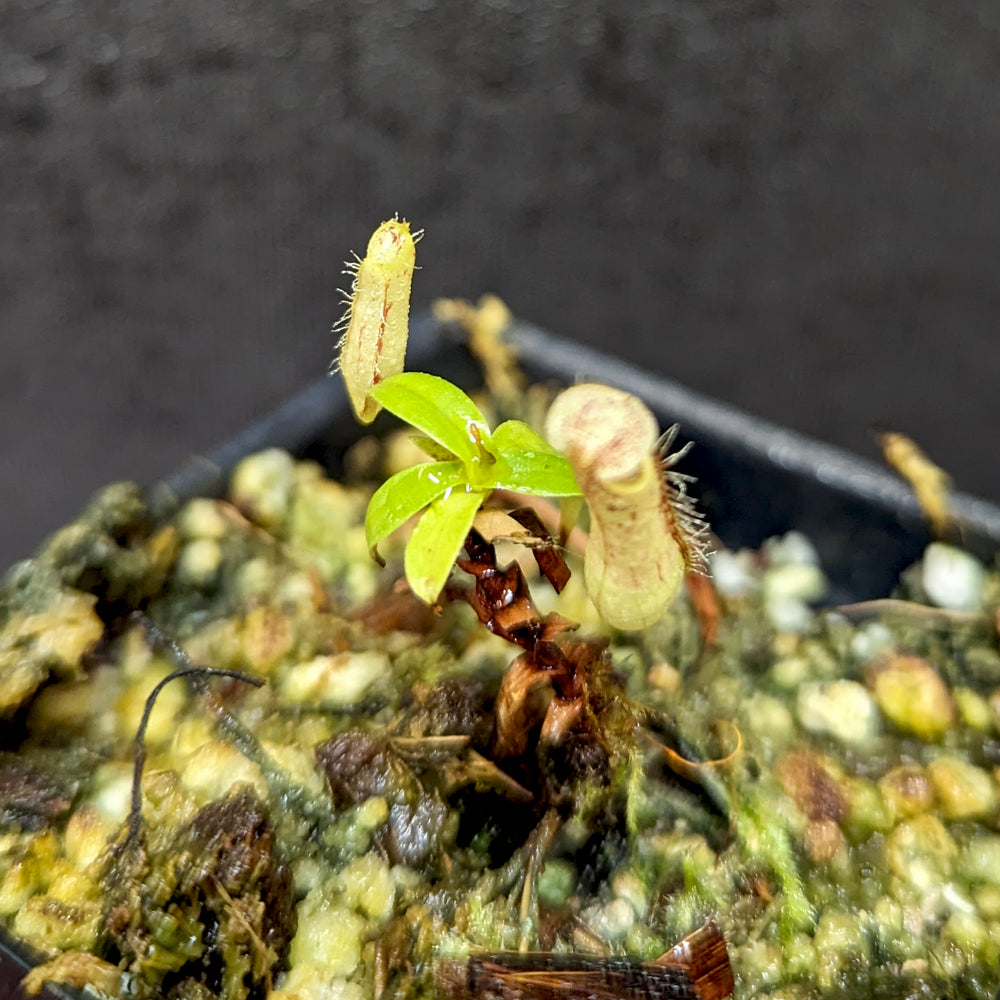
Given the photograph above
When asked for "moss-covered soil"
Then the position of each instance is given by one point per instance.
(405, 787)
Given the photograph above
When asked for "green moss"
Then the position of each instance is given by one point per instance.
(885, 887)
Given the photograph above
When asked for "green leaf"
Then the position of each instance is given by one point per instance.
(432, 448)
(441, 410)
(515, 435)
(437, 540)
(529, 464)
(405, 493)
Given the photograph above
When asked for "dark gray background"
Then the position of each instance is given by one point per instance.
(790, 204)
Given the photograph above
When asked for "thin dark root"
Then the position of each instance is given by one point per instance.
(198, 675)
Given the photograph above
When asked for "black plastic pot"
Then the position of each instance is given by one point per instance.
(755, 479)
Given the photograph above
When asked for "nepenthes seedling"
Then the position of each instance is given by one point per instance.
(561, 723)
(600, 443)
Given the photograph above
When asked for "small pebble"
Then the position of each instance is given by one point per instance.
(611, 922)
(871, 640)
(973, 709)
(823, 841)
(734, 573)
(907, 790)
(967, 931)
(789, 615)
(664, 676)
(791, 549)
(628, 886)
(841, 709)
(761, 964)
(982, 665)
(789, 672)
(920, 852)
(842, 930)
(799, 582)
(987, 900)
(769, 718)
(199, 562)
(202, 518)
(964, 791)
(338, 680)
(952, 578)
(980, 859)
(912, 695)
(328, 933)
(262, 485)
(788, 590)
(367, 886)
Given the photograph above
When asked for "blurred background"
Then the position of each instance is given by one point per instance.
(788, 204)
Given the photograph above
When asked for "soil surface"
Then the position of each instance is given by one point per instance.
(790, 205)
